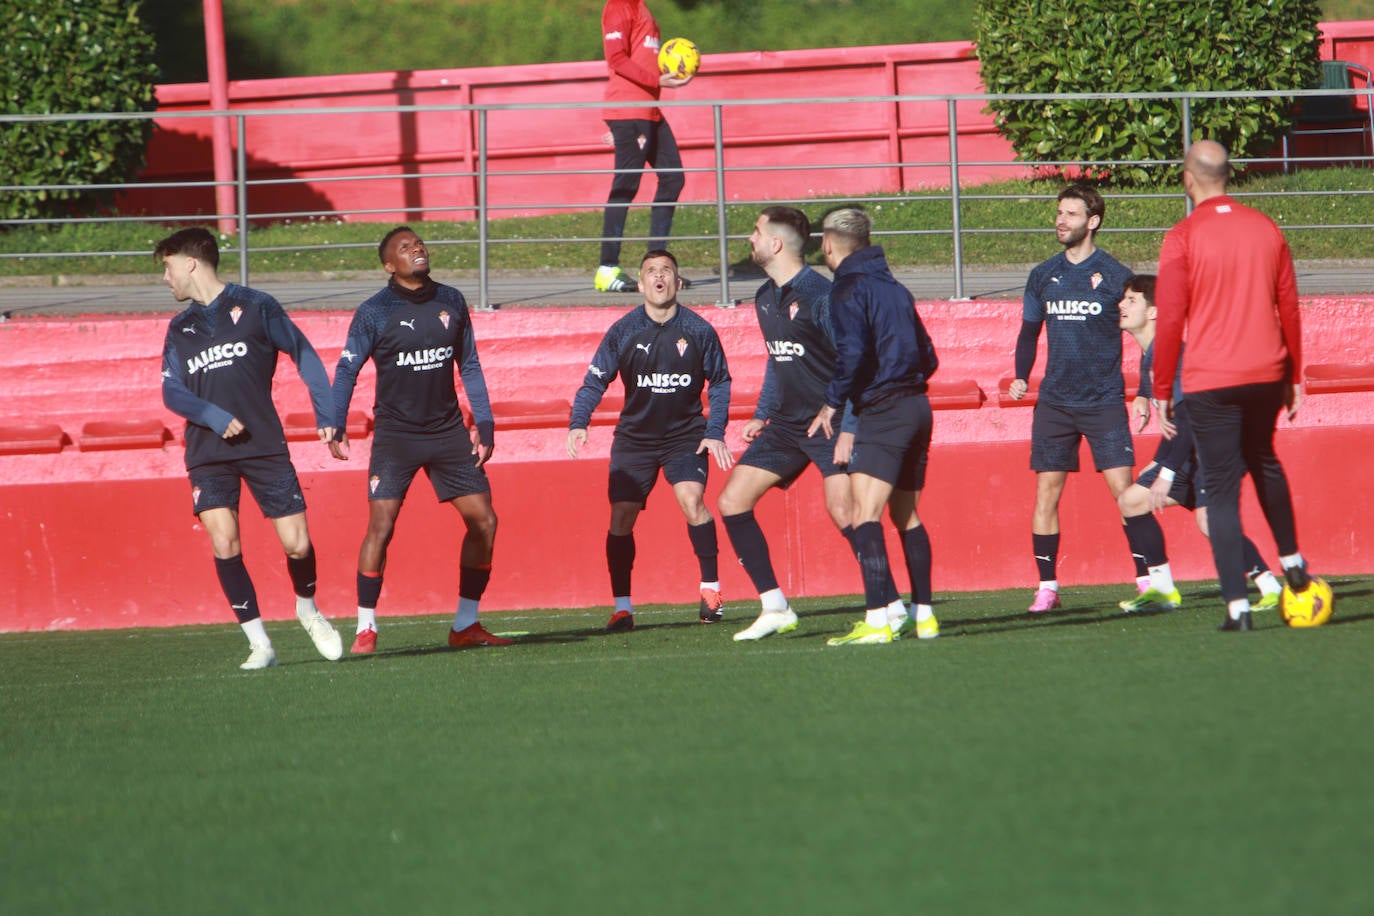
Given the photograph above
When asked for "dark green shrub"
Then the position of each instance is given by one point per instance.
(1066, 46)
(71, 56)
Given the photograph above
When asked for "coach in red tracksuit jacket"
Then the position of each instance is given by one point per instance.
(1226, 274)
(641, 134)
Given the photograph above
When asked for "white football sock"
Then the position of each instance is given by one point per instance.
(1268, 585)
(305, 606)
(1051, 584)
(256, 633)
(774, 601)
(714, 586)
(1162, 578)
(1293, 559)
(466, 615)
(367, 619)
(877, 617)
(924, 612)
(1237, 607)
(622, 603)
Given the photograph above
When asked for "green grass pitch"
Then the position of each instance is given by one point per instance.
(1083, 762)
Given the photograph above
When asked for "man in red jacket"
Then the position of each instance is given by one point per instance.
(641, 135)
(1226, 274)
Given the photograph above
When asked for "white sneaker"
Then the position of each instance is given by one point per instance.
(260, 657)
(769, 622)
(323, 634)
(896, 623)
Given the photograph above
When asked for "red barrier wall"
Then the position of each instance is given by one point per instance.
(829, 145)
(99, 538)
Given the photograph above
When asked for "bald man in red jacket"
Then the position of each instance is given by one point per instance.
(1226, 275)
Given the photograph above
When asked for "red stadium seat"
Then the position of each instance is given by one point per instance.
(101, 435)
(550, 413)
(956, 394)
(32, 439)
(300, 426)
(1331, 378)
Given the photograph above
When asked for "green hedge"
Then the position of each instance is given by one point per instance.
(1067, 46)
(69, 56)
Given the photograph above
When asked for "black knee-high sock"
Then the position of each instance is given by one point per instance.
(1046, 548)
(1142, 569)
(1147, 538)
(848, 532)
(472, 581)
(620, 560)
(752, 549)
(707, 548)
(302, 573)
(369, 590)
(916, 547)
(1254, 560)
(879, 589)
(238, 587)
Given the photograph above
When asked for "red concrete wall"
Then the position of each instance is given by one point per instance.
(99, 538)
(824, 146)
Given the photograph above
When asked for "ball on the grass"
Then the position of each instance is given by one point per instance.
(1310, 607)
(679, 56)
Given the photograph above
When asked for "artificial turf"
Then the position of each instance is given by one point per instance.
(1082, 761)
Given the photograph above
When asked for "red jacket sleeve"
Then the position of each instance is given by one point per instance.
(617, 36)
(1290, 315)
(1171, 308)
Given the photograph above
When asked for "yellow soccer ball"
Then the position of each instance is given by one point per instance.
(679, 57)
(1311, 607)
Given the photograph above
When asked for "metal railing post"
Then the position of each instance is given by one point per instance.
(956, 223)
(1187, 143)
(241, 181)
(722, 234)
(483, 290)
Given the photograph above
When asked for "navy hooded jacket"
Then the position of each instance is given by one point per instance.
(882, 348)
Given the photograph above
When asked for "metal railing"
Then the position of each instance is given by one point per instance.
(483, 208)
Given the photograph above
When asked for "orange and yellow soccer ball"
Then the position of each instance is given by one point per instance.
(679, 57)
(1311, 607)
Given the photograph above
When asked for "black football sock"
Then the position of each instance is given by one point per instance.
(238, 587)
(472, 581)
(1147, 538)
(879, 589)
(916, 547)
(369, 589)
(1142, 569)
(1046, 548)
(752, 549)
(706, 545)
(302, 574)
(620, 560)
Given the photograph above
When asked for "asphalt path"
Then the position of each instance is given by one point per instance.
(123, 295)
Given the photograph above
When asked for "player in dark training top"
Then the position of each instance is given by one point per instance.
(217, 366)
(1074, 296)
(793, 309)
(666, 356)
(416, 331)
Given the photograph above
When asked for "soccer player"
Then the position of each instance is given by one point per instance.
(416, 331)
(1226, 275)
(641, 135)
(883, 362)
(1171, 479)
(1083, 395)
(665, 355)
(793, 309)
(217, 365)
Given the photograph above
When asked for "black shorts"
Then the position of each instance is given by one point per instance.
(784, 449)
(446, 458)
(893, 441)
(1183, 490)
(635, 466)
(271, 479)
(1056, 432)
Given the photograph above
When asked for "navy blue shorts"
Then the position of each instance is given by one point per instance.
(635, 466)
(1056, 432)
(271, 479)
(893, 441)
(784, 449)
(446, 458)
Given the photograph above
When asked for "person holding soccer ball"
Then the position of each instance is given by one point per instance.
(641, 135)
(217, 366)
(1171, 478)
(1226, 276)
